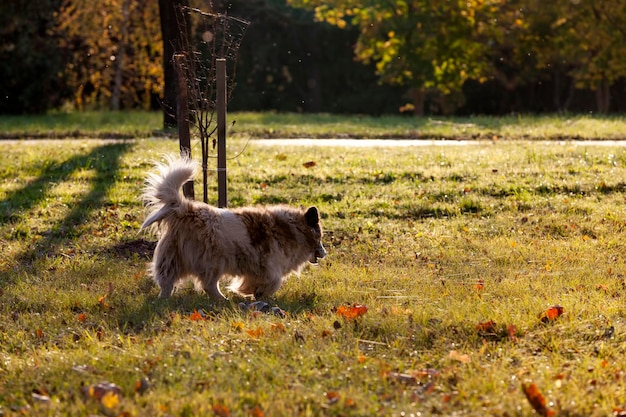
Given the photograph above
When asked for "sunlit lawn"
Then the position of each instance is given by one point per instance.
(455, 251)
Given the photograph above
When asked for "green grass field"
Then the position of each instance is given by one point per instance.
(136, 124)
(457, 252)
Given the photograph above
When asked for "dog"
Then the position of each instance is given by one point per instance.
(256, 247)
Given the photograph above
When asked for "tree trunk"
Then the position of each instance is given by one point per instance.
(118, 78)
(172, 40)
(418, 97)
(603, 96)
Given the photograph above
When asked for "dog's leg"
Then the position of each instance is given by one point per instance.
(210, 283)
(270, 287)
(166, 270)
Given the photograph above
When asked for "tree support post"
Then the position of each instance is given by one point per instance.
(221, 132)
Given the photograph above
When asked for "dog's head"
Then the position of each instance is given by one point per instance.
(312, 218)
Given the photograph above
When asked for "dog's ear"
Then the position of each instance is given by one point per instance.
(312, 217)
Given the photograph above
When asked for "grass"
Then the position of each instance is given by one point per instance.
(455, 251)
(137, 124)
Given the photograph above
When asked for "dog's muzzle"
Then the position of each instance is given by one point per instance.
(320, 253)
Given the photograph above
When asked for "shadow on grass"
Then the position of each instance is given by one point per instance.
(104, 160)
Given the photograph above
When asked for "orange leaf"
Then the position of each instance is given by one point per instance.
(257, 412)
(480, 285)
(309, 164)
(486, 326)
(255, 333)
(536, 399)
(221, 410)
(332, 397)
(351, 312)
(102, 301)
(278, 327)
(196, 315)
(512, 330)
(82, 317)
(551, 313)
(40, 333)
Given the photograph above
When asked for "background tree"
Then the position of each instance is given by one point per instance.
(115, 52)
(32, 63)
(419, 44)
(172, 33)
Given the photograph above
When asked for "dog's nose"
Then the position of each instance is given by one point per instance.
(320, 252)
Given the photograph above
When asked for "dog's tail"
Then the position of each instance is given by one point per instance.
(162, 192)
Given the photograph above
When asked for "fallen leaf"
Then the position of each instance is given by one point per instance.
(82, 317)
(486, 326)
(102, 301)
(480, 285)
(142, 385)
(257, 412)
(278, 327)
(107, 393)
(459, 357)
(536, 399)
(221, 410)
(255, 333)
(110, 400)
(551, 313)
(511, 330)
(332, 397)
(309, 164)
(237, 325)
(351, 312)
(196, 315)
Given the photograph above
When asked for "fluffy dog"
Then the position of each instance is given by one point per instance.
(257, 248)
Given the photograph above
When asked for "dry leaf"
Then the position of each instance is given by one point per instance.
(237, 325)
(255, 333)
(551, 313)
(278, 327)
(102, 302)
(257, 412)
(459, 357)
(486, 327)
(196, 315)
(536, 399)
(332, 397)
(107, 393)
(309, 164)
(351, 312)
(221, 410)
(82, 317)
